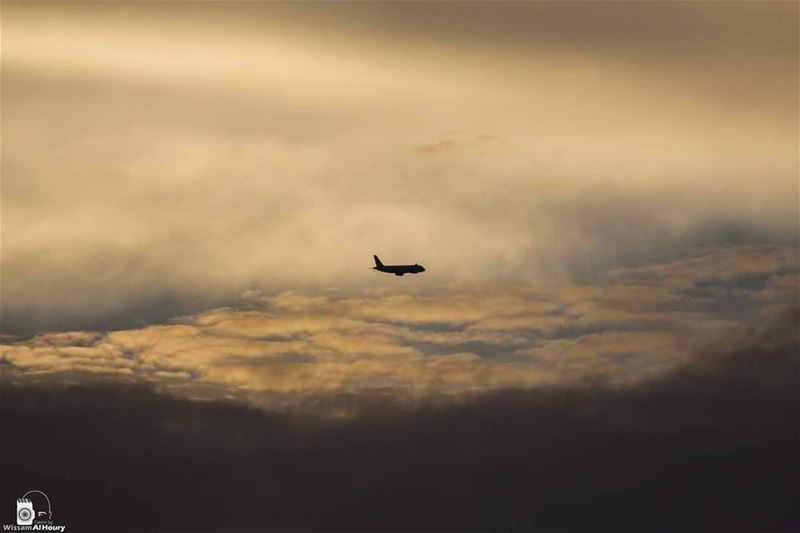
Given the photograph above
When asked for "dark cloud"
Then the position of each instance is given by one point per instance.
(448, 145)
(148, 308)
(710, 447)
(671, 28)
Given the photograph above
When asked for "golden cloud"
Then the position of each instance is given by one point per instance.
(450, 341)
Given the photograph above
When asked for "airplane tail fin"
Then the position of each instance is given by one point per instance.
(377, 261)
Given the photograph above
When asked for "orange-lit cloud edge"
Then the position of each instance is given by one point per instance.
(286, 351)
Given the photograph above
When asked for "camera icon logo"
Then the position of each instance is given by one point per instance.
(25, 512)
(33, 507)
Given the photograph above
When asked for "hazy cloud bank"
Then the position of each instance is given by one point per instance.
(158, 164)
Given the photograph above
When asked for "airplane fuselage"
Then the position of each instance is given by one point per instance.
(397, 270)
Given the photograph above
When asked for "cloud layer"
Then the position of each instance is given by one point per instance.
(710, 446)
(278, 351)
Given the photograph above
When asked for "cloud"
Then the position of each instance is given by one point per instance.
(242, 147)
(633, 326)
(708, 446)
(448, 145)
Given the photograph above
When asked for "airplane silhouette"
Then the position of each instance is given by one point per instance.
(397, 270)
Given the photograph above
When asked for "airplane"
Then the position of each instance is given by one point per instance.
(397, 270)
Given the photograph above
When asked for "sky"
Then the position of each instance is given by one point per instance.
(605, 196)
